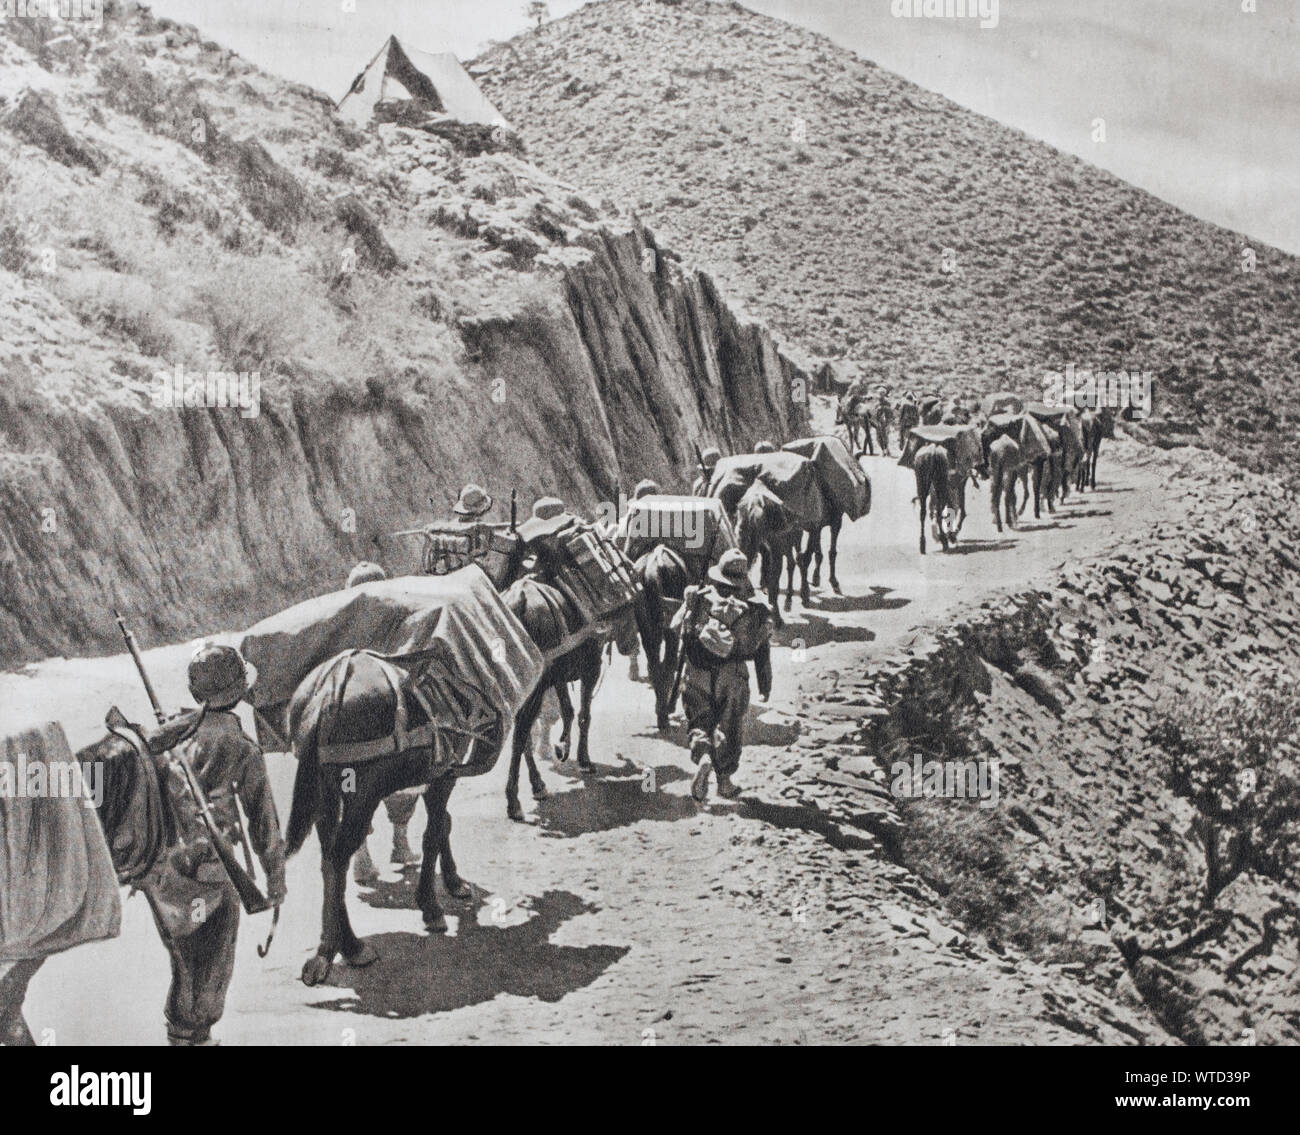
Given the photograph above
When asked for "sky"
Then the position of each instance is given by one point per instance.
(1200, 98)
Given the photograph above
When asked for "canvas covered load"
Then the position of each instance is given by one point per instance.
(1003, 402)
(792, 479)
(584, 562)
(1063, 419)
(965, 452)
(473, 657)
(58, 887)
(843, 478)
(694, 527)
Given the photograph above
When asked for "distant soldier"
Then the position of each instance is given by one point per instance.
(724, 625)
(194, 904)
(645, 488)
(909, 415)
(883, 417)
(446, 552)
(400, 806)
(764, 447)
(708, 462)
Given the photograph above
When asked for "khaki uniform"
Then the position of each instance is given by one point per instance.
(194, 905)
(715, 691)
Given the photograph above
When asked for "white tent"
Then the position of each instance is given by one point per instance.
(437, 80)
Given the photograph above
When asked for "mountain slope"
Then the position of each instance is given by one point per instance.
(824, 192)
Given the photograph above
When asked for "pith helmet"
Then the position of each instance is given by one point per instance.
(711, 456)
(548, 508)
(220, 676)
(473, 501)
(764, 447)
(732, 570)
(646, 488)
(365, 572)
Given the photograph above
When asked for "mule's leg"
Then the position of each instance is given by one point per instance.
(833, 551)
(590, 678)
(811, 547)
(456, 886)
(921, 497)
(522, 736)
(1038, 487)
(339, 839)
(815, 545)
(672, 644)
(436, 836)
(565, 744)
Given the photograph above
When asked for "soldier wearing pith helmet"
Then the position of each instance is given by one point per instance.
(195, 907)
(724, 626)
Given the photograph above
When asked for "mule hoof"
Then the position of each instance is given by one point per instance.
(514, 811)
(315, 970)
(586, 767)
(435, 924)
(541, 792)
(366, 956)
(835, 587)
(457, 887)
(561, 753)
(661, 723)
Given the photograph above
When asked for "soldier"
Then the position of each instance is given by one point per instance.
(884, 419)
(400, 806)
(764, 447)
(194, 904)
(447, 552)
(708, 461)
(724, 625)
(645, 488)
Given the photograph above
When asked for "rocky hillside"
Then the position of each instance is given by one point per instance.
(411, 310)
(1092, 876)
(881, 226)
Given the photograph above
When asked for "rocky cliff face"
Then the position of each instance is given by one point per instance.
(418, 312)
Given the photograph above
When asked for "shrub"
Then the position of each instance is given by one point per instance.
(124, 306)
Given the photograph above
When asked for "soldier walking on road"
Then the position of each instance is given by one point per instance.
(194, 904)
(724, 625)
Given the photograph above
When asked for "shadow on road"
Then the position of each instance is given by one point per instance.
(968, 547)
(606, 803)
(818, 629)
(876, 601)
(418, 974)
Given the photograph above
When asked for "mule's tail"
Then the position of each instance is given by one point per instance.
(306, 794)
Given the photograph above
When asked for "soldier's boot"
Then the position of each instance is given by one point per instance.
(702, 755)
(363, 867)
(727, 788)
(403, 854)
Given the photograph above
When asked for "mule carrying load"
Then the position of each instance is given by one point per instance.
(449, 640)
(842, 477)
(583, 563)
(58, 886)
(961, 442)
(696, 528)
(790, 477)
(1025, 430)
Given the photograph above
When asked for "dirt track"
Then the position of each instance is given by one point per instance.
(621, 913)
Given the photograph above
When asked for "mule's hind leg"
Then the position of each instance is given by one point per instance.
(339, 840)
(590, 664)
(832, 553)
(437, 845)
(815, 539)
(456, 886)
(522, 736)
(564, 745)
